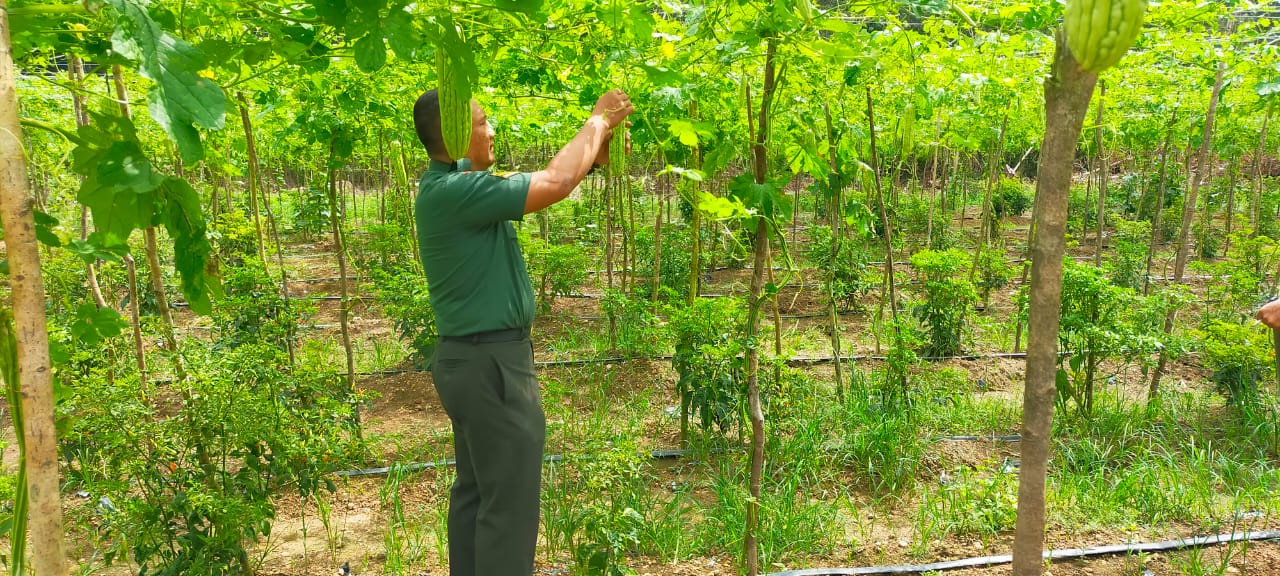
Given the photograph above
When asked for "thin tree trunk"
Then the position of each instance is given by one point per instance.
(82, 119)
(251, 149)
(1156, 216)
(35, 376)
(1067, 91)
(1188, 211)
(344, 307)
(759, 140)
(695, 228)
(1103, 168)
(153, 255)
(884, 216)
(1255, 207)
(135, 317)
(657, 237)
(989, 224)
(833, 217)
(1202, 166)
(1231, 205)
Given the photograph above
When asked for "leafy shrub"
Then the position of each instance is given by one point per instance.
(234, 237)
(947, 298)
(386, 247)
(1082, 210)
(1128, 268)
(253, 310)
(709, 359)
(979, 501)
(1011, 198)
(407, 303)
(846, 273)
(676, 259)
(1099, 321)
(994, 272)
(635, 329)
(1171, 222)
(1240, 358)
(311, 211)
(557, 269)
(189, 492)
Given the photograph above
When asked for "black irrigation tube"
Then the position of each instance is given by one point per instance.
(1067, 554)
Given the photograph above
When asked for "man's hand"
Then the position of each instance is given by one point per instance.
(553, 183)
(1269, 314)
(614, 106)
(602, 159)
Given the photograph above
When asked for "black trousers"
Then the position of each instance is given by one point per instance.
(491, 395)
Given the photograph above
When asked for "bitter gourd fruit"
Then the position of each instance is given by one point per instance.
(1100, 32)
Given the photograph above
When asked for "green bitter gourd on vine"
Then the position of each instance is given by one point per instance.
(1100, 32)
(455, 107)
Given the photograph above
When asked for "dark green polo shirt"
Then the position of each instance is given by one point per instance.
(475, 273)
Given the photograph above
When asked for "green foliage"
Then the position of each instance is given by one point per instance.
(234, 238)
(980, 501)
(994, 272)
(180, 98)
(1241, 358)
(709, 359)
(190, 492)
(125, 192)
(610, 529)
(311, 211)
(253, 311)
(1099, 321)
(1082, 210)
(1128, 267)
(1238, 284)
(382, 247)
(407, 303)
(639, 333)
(846, 273)
(558, 269)
(1011, 198)
(880, 441)
(946, 299)
(676, 259)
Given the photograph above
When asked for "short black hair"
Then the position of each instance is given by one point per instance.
(426, 120)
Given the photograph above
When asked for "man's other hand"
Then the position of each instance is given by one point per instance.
(614, 106)
(1269, 314)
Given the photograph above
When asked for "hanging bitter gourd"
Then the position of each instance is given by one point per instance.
(1099, 32)
(618, 150)
(455, 106)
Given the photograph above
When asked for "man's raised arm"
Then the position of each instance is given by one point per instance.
(569, 166)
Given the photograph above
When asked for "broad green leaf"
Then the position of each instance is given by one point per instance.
(184, 221)
(181, 98)
(44, 229)
(662, 76)
(371, 52)
(767, 198)
(684, 131)
(719, 208)
(530, 7)
(402, 36)
(93, 325)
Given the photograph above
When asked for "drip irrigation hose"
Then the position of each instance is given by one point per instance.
(1067, 554)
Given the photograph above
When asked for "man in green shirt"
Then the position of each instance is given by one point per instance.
(483, 302)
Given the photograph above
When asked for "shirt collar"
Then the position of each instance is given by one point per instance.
(461, 165)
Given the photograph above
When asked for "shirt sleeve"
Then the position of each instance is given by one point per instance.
(484, 198)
